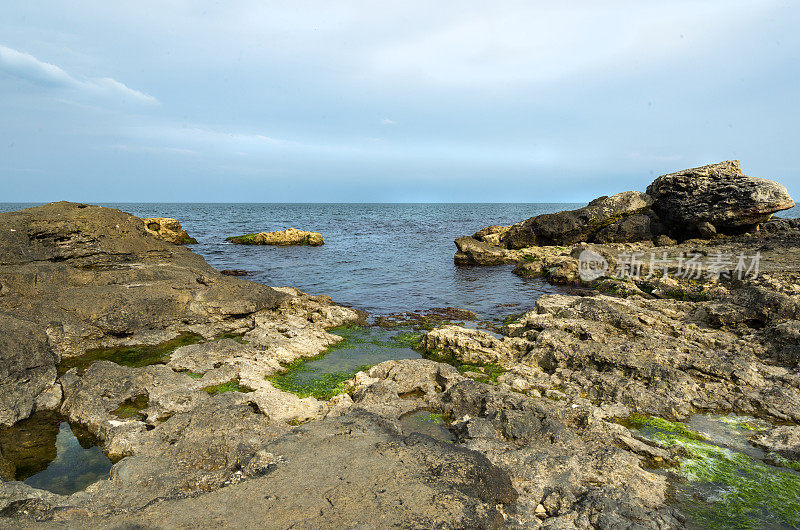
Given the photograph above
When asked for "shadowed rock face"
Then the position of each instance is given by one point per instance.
(73, 277)
(566, 228)
(719, 194)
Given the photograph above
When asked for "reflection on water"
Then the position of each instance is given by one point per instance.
(361, 347)
(45, 453)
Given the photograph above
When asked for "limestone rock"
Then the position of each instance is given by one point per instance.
(783, 440)
(472, 345)
(290, 236)
(719, 194)
(169, 230)
(566, 228)
(27, 367)
(474, 252)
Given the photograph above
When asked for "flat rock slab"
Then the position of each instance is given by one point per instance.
(346, 472)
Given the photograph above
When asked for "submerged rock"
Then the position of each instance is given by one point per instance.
(169, 230)
(290, 236)
(717, 194)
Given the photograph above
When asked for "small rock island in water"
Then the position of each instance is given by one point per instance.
(290, 236)
(658, 388)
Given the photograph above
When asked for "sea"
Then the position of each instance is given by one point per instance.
(380, 258)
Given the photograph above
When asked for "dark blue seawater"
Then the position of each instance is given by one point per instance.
(382, 258)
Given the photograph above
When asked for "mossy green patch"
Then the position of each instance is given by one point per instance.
(245, 239)
(432, 418)
(489, 372)
(324, 387)
(132, 408)
(785, 462)
(744, 423)
(361, 347)
(726, 489)
(230, 386)
(133, 356)
(409, 339)
(660, 427)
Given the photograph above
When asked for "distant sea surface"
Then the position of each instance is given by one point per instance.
(382, 258)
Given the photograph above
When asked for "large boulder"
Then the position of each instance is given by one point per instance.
(719, 194)
(574, 226)
(474, 252)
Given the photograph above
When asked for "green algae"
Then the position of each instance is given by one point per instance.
(489, 372)
(664, 430)
(745, 424)
(361, 347)
(323, 387)
(428, 423)
(410, 339)
(230, 386)
(245, 239)
(132, 408)
(784, 462)
(133, 356)
(725, 489)
(432, 417)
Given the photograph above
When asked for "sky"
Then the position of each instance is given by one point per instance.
(414, 101)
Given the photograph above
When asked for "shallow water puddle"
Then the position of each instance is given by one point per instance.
(133, 356)
(44, 452)
(725, 482)
(426, 422)
(362, 347)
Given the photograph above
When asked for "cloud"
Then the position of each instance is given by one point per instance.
(26, 66)
(387, 121)
(539, 43)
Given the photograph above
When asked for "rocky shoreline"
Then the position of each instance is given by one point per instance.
(547, 414)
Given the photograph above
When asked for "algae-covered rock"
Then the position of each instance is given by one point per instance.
(290, 236)
(169, 230)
